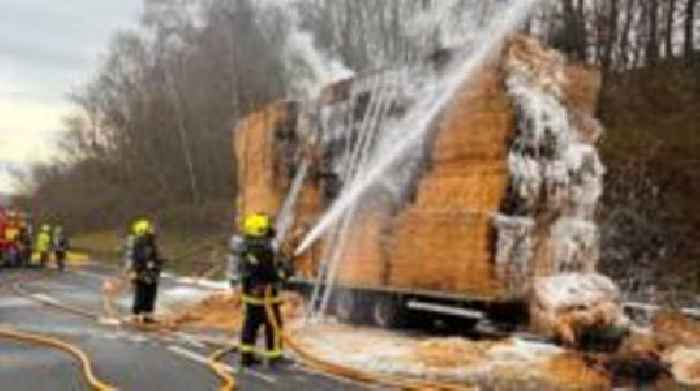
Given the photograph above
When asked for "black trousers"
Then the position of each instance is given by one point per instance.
(27, 255)
(144, 297)
(61, 259)
(44, 258)
(256, 316)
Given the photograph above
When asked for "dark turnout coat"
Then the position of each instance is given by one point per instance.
(145, 260)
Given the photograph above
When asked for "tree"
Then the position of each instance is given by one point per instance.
(652, 40)
(157, 117)
(689, 30)
(670, 30)
(610, 36)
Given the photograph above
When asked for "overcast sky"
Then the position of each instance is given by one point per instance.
(47, 47)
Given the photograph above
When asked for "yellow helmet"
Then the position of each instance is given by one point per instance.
(257, 225)
(46, 228)
(142, 227)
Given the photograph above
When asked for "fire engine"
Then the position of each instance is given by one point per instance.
(10, 246)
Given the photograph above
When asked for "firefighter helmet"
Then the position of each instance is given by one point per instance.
(142, 227)
(257, 225)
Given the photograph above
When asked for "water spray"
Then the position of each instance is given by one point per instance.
(285, 219)
(421, 119)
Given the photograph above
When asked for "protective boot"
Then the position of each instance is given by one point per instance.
(248, 360)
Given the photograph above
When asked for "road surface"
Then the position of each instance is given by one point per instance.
(123, 357)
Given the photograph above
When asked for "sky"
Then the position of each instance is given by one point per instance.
(47, 49)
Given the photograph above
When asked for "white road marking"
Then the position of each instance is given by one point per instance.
(137, 338)
(205, 339)
(109, 321)
(198, 358)
(93, 275)
(46, 299)
(253, 372)
(190, 339)
(10, 302)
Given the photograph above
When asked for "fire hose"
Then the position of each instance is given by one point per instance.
(85, 363)
(344, 371)
(312, 361)
(229, 382)
(93, 381)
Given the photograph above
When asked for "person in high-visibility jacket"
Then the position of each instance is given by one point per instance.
(144, 269)
(43, 244)
(10, 236)
(256, 261)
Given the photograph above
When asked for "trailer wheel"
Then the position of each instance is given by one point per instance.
(388, 311)
(350, 306)
(462, 325)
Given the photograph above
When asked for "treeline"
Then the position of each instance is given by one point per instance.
(623, 34)
(152, 129)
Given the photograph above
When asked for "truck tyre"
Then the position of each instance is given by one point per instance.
(388, 311)
(462, 325)
(350, 306)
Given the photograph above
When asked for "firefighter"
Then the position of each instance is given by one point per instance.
(256, 260)
(144, 270)
(11, 239)
(60, 247)
(43, 244)
(25, 242)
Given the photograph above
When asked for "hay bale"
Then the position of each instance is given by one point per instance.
(444, 251)
(443, 238)
(673, 329)
(480, 188)
(451, 352)
(514, 249)
(589, 128)
(567, 306)
(583, 88)
(569, 368)
(479, 124)
(543, 67)
(685, 365)
(365, 260)
(224, 311)
(254, 147)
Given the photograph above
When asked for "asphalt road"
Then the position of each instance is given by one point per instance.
(123, 357)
